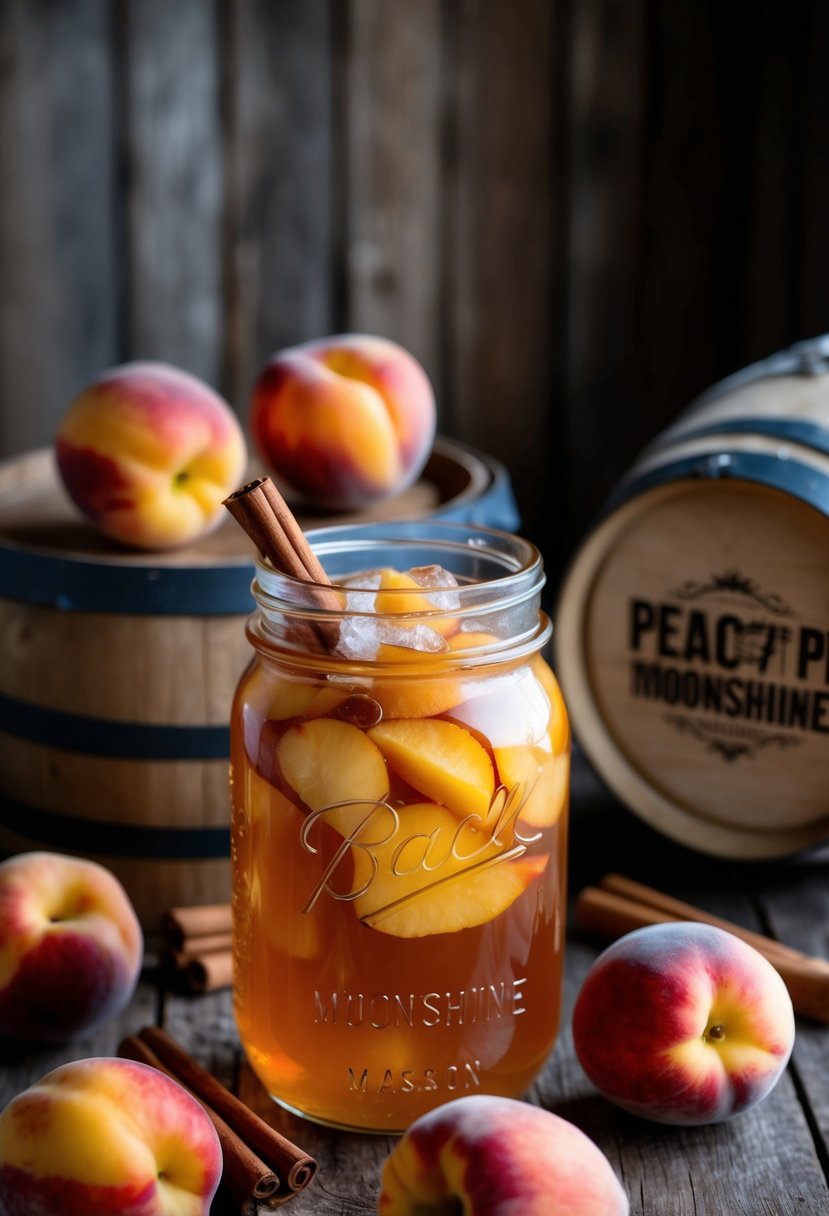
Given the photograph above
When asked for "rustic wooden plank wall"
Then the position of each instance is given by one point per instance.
(576, 213)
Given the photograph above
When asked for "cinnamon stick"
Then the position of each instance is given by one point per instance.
(204, 972)
(627, 887)
(609, 914)
(199, 947)
(295, 1167)
(206, 920)
(248, 1179)
(260, 509)
(210, 943)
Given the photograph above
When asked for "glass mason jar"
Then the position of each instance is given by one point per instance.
(400, 780)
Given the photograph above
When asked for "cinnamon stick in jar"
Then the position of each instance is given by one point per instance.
(262, 512)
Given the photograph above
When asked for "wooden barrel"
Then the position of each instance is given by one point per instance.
(118, 670)
(692, 626)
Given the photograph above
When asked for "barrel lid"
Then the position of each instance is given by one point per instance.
(694, 661)
(692, 626)
(50, 556)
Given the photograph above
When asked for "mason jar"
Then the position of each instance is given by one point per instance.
(400, 775)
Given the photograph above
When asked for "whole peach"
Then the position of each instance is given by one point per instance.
(490, 1156)
(149, 452)
(343, 420)
(683, 1023)
(70, 946)
(107, 1137)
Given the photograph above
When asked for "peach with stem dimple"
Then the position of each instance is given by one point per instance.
(702, 1025)
(148, 453)
(107, 1137)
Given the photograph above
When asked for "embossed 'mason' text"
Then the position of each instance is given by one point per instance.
(410, 1080)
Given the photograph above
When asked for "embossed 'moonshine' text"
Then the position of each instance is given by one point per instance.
(379, 1010)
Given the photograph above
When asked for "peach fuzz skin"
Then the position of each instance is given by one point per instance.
(683, 1023)
(107, 1137)
(489, 1156)
(343, 421)
(148, 453)
(71, 946)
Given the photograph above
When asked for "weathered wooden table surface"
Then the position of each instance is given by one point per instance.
(770, 1161)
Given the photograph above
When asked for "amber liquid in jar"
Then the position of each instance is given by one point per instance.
(398, 844)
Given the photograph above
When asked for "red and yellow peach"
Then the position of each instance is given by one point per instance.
(489, 1156)
(70, 946)
(343, 420)
(107, 1137)
(683, 1023)
(148, 453)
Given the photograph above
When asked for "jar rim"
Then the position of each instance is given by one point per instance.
(509, 559)
(495, 593)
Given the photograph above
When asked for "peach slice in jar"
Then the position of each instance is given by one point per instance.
(400, 593)
(423, 687)
(559, 721)
(275, 825)
(438, 875)
(334, 768)
(416, 686)
(540, 778)
(469, 639)
(271, 694)
(441, 760)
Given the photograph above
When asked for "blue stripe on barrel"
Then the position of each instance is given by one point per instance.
(795, 478)
(790, 430)
(73, 585)
(108, 838)
(105, 737)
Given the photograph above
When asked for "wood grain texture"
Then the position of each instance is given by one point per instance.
(794, 908)
(280, 182)
(498, 248)
(606, 110)
(812, 190)
(175, 185)
(58, 319)
(392, 149)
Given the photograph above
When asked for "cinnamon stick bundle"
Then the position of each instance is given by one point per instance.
(260, 1166)
(201, 921)
(619, 905)
(202, 971)
(198, 954)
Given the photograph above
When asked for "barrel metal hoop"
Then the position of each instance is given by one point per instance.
(106, 838)
(791, 476)
(49, 580)
(91, 736)
(792, 430)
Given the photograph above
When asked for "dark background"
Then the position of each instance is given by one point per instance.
(576, 213)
